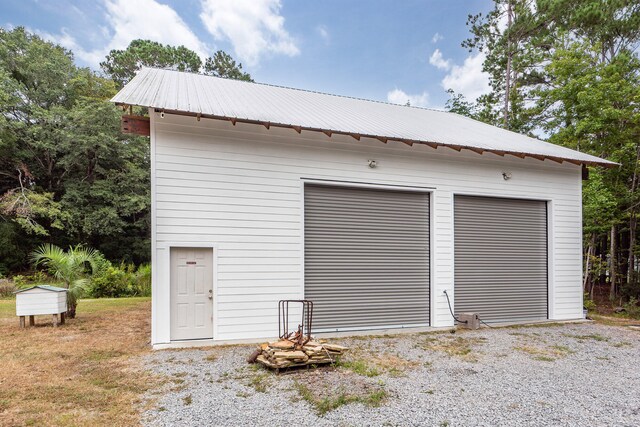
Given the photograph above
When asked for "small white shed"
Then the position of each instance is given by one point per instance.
(41, 300)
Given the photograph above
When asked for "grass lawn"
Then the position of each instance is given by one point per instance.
(82, 373)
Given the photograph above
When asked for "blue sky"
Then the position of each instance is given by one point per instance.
(378, 49)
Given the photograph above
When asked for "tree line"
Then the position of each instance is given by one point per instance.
(568, 70)
(67, 174)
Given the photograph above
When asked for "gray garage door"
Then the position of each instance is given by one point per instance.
(501, 258)
(366, 257)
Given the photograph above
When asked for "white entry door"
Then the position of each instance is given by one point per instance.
(191, 293)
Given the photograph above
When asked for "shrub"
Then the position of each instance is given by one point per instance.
(121, 281)
(100, 266)
(20, 281)
(631, 289)
(588, 303)
(112, 282)
(23, 281)
(143, 280)
(7, 288)
(632, 309)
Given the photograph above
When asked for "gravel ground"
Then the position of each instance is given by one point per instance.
(566, 375)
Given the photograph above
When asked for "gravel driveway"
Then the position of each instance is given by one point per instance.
(563, 375)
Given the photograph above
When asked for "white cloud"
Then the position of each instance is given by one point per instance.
(150, 20)
(468, 78)
(254, 27)
(323, 33)
(436, 38)
(126, 21)
(438, 61)
(398, 96)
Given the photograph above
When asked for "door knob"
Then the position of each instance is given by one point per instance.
(211, 294)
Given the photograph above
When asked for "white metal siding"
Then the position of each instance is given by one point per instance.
(241, 188)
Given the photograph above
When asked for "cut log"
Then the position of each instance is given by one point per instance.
(334, 347)
(290, 355)
(284, 345)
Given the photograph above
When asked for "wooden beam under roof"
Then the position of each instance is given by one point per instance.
(475, 150)
(404, 141)
(555, 159)
(137, 125)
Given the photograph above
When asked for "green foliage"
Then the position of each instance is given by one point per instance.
(28, 208)
(15, 246)
(512, 52)
(569, 70)
(72, 267)
(358, 366)
(632, 308)
(38, 277)
(614, 24)
(113, 282)
(339, 397)
(599, 206)
(122, 65)
(7, 288)
(120, 281)
(458, 104)
(588, 303)
(481, 110)
(223, 65)
(143, 280)
(68, 173)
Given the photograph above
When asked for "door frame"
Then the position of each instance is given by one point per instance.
(376, 185)
(166, 270)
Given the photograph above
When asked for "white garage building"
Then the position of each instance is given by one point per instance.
(371, 210)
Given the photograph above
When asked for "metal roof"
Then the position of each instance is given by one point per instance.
(208, 96)
(45, 287)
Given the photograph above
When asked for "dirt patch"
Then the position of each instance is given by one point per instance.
(465, 348)
(83, 373)
(545, 353)
(329, 389)
(372, 359)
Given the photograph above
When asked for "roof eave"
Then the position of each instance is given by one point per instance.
(383, 138)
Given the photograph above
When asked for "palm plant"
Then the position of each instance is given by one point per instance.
(72, 267)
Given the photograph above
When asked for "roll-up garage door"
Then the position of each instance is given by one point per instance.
(501, 258)
(366, 257)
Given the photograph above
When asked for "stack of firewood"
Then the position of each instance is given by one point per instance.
(287, 354)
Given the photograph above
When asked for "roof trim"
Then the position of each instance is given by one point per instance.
(197, 95)
(381, 138)
(45, 287)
